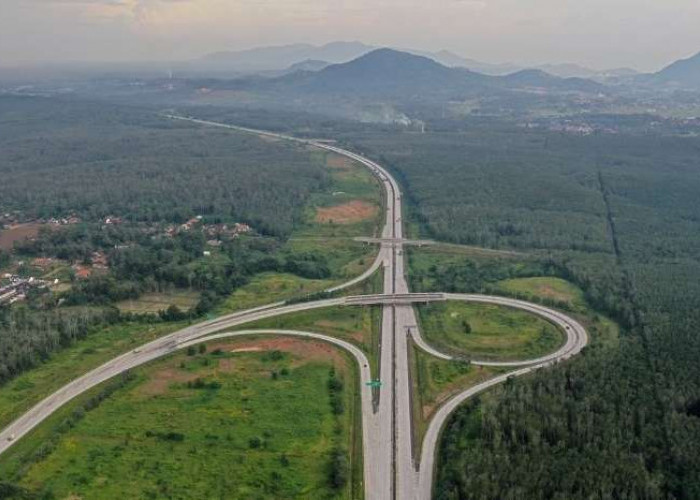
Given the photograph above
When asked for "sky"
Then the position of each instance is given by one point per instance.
(643, 34)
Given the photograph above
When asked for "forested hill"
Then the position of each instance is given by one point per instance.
(97, 161)
(388, 74)
(685, 72)
(617, 214)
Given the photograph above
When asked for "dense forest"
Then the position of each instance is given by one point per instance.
(618, 215)
(98, 160)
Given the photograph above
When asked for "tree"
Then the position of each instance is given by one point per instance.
(338, 469)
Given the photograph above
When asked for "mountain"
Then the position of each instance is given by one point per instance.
(685, 72)
(276, 60)
(537, 78)
(453, 60)
(386, 71)
(283, 56)
(308, 65)
(568, 70)
(396, 74)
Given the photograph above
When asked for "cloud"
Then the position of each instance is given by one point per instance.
(642, 32)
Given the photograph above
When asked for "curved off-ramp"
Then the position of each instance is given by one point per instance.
(576, 336)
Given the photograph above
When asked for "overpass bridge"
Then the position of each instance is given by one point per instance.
(395, 241)
(396, 299)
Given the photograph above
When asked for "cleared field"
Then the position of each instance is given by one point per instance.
(358, 325)
(230, 423)
(347, 213)
(548, 288)
(153, 303)
(488, 331)
(8, 237)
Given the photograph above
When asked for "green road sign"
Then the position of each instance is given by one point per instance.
(374, 383)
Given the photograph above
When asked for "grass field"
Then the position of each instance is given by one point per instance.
(267, 288)
(27, 389)
(548, 288)
(230, 423)
(346, 258)
(437, 379)
(434, 381)
(604, 332)
(153, 303)
(486, 331)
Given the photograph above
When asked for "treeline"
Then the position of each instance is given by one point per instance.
(28, 338)
(338, 468)
(474, 276)
(4, 258)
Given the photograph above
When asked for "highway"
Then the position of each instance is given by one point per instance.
(392, 469)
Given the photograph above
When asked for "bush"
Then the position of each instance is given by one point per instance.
(338, 476)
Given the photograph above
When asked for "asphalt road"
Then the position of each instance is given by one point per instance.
(391, 466)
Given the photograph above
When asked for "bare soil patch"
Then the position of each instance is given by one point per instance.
(268, 138)
(549, 292)
(339, 162)
(161, 380)
(305, 350)
(20, 232)
(347, 213)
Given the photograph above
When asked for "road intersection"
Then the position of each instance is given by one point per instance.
(392, 469)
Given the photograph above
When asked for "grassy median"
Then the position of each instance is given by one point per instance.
(485, 331)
